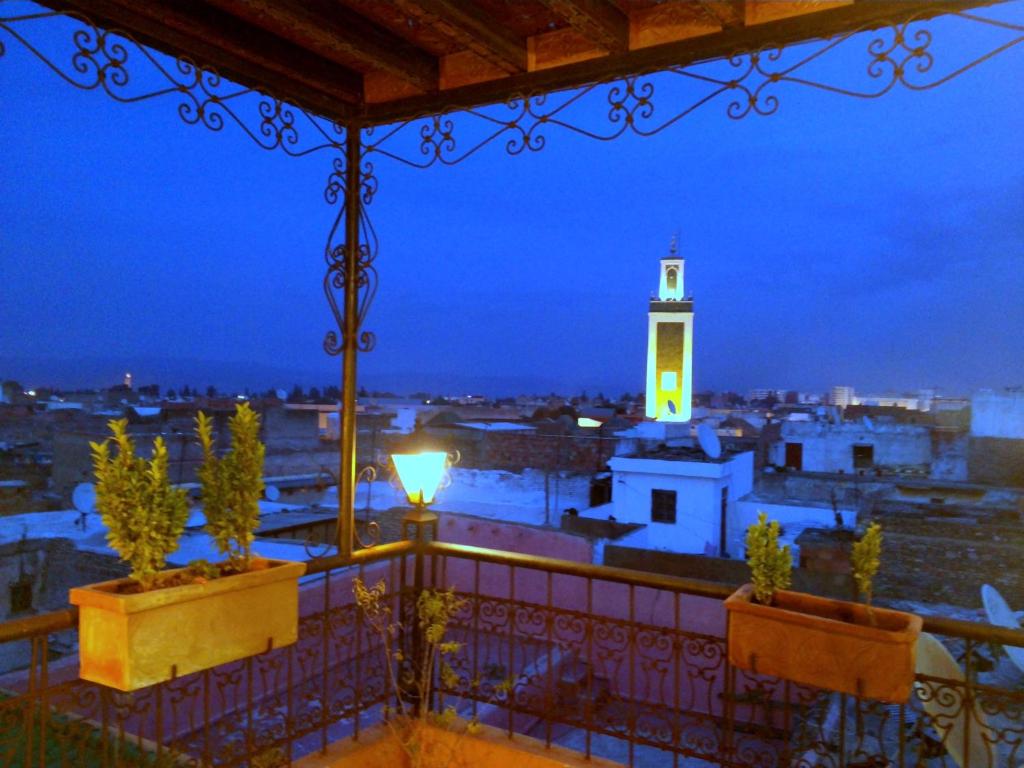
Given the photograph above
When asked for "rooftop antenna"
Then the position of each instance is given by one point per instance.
(709, 442)
(271, 493)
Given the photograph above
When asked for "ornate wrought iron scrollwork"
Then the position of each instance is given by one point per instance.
(335, 252)
(129, 72)
(899, 54)
(367, 475)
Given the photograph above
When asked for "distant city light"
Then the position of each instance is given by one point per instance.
(586, 423)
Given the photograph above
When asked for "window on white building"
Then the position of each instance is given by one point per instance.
(663, 506)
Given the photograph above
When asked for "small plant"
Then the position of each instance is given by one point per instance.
(413, 680)
(232, 484)
(771, 566)
(144, 515)
(866, 557)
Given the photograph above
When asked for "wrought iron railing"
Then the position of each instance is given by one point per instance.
(610, 662)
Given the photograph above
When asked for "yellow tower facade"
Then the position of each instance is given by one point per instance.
(670, 345)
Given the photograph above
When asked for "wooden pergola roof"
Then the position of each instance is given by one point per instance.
(380, 61)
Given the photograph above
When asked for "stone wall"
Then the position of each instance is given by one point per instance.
(52, 566)
(721, 570)
(944, 554)
(996, 461)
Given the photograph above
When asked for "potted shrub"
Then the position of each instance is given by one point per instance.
(157, 624)
(415, 735)
(831, 644)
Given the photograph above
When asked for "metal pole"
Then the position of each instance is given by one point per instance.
(350, 336)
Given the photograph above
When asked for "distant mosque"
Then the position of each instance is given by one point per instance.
(670, 345)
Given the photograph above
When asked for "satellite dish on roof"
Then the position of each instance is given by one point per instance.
(281, 394)
(935, 661)
(869, 425)
(671, 407)
(709, 442)
(271, 493)
(84, 498)
(1000, 614)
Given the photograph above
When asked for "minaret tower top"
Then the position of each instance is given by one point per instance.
(670, 286)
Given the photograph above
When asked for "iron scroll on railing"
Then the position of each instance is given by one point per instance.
(611, 663)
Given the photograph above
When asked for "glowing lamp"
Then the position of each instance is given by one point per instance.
(421, 474)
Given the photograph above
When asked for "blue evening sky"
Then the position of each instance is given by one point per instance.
(876, 243)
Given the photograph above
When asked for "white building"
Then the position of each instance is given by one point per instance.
(851, 447)
(684, 498)
(910, 402)
(998, 414)
(842, 396)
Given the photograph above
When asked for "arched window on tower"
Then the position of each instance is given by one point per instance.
(670, 281)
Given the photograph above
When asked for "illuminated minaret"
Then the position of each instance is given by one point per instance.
(670, 345)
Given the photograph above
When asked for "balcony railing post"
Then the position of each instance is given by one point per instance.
(350, 336)
(415, 525)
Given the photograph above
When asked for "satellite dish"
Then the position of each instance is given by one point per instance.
(1000, 614)
(281, 394)
(671, 407)
(84, 498)
(934, 660)
(869, 425)
(709, 442)
(271, 493)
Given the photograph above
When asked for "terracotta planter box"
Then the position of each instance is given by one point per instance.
(824, 643)
(130, 641)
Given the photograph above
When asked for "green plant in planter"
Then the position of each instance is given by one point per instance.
(144, 515)
(232, 484)
(771, 566)
(866, 558)
(418, 682)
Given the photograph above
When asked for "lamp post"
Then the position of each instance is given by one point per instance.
(421, 475)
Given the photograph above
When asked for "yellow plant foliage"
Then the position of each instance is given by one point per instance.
(771, 566)
(144, 515)
(232, 484)
(866, 559)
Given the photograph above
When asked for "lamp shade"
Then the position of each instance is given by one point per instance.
(420, 474)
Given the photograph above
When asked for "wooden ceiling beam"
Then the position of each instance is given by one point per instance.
(787, 31)
(728, 14)
(600, 21)
(338, 34)
(469, 26)
(248, 56)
